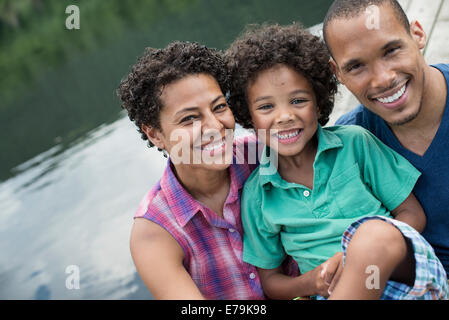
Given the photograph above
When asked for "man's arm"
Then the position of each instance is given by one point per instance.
(411, 212)
(158, 259)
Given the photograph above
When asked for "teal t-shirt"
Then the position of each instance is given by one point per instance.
(355, 175)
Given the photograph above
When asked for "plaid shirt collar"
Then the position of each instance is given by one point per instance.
(181, 202)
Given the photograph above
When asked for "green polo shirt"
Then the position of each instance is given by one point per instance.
(355, 175)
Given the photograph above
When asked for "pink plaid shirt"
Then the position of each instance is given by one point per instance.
(212, 245)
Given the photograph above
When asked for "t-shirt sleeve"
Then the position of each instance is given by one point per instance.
(390, 176)
(352, 117)
(262, 245)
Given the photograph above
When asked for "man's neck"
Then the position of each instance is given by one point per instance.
(418, 134)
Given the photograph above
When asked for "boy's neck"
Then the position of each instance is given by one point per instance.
(299, 168)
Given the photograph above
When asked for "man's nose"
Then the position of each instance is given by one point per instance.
(382, 76)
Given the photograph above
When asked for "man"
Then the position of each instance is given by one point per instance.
(376, 54)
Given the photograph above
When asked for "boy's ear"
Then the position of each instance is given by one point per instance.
(336, 70)
(154, 135)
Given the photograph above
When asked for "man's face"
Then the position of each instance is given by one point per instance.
(381, 64)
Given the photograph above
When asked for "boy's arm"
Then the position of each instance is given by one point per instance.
(318, 281)
(411, 212)
(391, 178)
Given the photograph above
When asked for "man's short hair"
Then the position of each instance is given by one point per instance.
(346, 9)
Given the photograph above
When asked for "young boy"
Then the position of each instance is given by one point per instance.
(328, 182)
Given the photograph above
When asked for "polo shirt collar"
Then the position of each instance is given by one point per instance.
(268, 173)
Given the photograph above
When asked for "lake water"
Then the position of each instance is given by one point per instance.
(68, 197)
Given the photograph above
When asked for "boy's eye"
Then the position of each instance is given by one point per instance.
(298, 101)
(265, 107)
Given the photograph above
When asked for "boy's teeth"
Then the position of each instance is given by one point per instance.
(287, 136)
(213, 146)
(394, 97)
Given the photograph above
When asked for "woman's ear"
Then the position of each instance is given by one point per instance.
(154, 135)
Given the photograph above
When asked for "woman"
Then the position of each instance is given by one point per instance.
(186, 240)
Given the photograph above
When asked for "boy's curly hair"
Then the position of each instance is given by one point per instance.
(261, 47)
(141, 90)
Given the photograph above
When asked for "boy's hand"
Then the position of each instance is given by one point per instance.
(328, 274)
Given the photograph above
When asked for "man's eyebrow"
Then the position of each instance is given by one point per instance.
(392, 43)
(350, 63)
(355, 61)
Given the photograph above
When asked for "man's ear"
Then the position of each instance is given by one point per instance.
(154, 135)
(418, 34)
(336, 70)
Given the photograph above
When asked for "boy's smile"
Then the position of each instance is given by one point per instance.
(282, 102)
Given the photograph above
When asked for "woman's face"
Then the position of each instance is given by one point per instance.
(197, 124)
(282, 102)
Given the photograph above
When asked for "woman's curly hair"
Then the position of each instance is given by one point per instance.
(141, 90)
(261, 47)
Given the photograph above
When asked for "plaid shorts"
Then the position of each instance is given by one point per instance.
(430, 278)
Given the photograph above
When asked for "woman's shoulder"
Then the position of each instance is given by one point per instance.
(151, 201)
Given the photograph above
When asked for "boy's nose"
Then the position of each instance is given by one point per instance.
(284, 115)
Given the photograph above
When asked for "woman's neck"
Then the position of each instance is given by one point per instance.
(202, 183)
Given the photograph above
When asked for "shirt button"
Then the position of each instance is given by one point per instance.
(252, 276)
(231, 230)
(306, 193)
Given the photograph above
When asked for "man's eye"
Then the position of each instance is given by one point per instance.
(391, 50)
(354, 67)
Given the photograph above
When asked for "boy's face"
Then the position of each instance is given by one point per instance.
(282, 102)
(380, 64)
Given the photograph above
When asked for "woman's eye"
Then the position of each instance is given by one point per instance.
(188, 118)
(220, 107)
